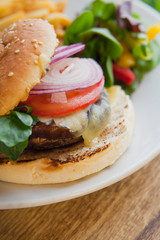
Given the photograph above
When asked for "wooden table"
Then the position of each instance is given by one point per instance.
(128, 210)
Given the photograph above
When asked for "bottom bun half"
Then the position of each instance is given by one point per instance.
(77, 161)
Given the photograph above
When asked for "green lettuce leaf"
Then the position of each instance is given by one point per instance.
(82, 23)
(113, 47)
(102, 10)
(13, 152)
(15, 131)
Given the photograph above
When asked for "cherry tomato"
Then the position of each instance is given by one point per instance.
(76, 99)
(125, 75)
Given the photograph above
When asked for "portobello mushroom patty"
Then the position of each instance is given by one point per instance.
(68, 130)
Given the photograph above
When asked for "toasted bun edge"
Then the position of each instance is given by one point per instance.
(44, 171)
(26, 48)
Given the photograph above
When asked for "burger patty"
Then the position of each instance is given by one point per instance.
(71, 128)
(48, 136)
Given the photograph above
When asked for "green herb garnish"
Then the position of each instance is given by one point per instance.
(15, 131)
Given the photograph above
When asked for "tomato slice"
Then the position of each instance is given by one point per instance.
(76, 99)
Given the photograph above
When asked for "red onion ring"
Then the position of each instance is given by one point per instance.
(67, 51)
(69, 74)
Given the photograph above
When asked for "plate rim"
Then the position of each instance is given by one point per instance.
(98, 187)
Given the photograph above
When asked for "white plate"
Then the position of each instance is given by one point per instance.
(145, 145)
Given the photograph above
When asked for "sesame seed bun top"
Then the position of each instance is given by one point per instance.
(26, 49)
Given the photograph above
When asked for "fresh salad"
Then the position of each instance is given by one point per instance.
(116, 39)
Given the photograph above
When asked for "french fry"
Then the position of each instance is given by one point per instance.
(17, 5)
(58, 19)
(41, 13)
(60, 6)
(5, 3)
(13, 10)
(35, 5)
(4, 22)
(5, 13)
(60, 32)
(5, 8)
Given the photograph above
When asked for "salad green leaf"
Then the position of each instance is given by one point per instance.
(14, 130)
(100, 28)
(142, 66)
(24, 108)
(147, 65)
(17, 127)
(101, 10)
(90, 28)
(125, 18)
(13, 152)
(109, 73)
(82, 23)
(113, 47)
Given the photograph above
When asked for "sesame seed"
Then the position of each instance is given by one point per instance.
(34, 40)
(17, 51)
(36, 62)
(22, 41)
(11, 32)
(16, 40)
(15, 37)
(40, 43)
(8, 45)
(31, 24)
(24, 25)
(10, 74)
(13, 25)
(35, 46)
(28, 90)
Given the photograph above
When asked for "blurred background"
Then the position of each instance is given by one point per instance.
(154, 3)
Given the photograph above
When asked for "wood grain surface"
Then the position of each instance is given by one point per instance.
(127, 210)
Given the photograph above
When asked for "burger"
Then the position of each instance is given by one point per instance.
(57, 121)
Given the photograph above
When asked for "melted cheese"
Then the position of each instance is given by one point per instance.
(113, 92)
(75, 122)
(43, 61)
(99, 117)
(88, 122)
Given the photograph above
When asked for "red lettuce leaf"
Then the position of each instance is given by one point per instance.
(125, 19)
